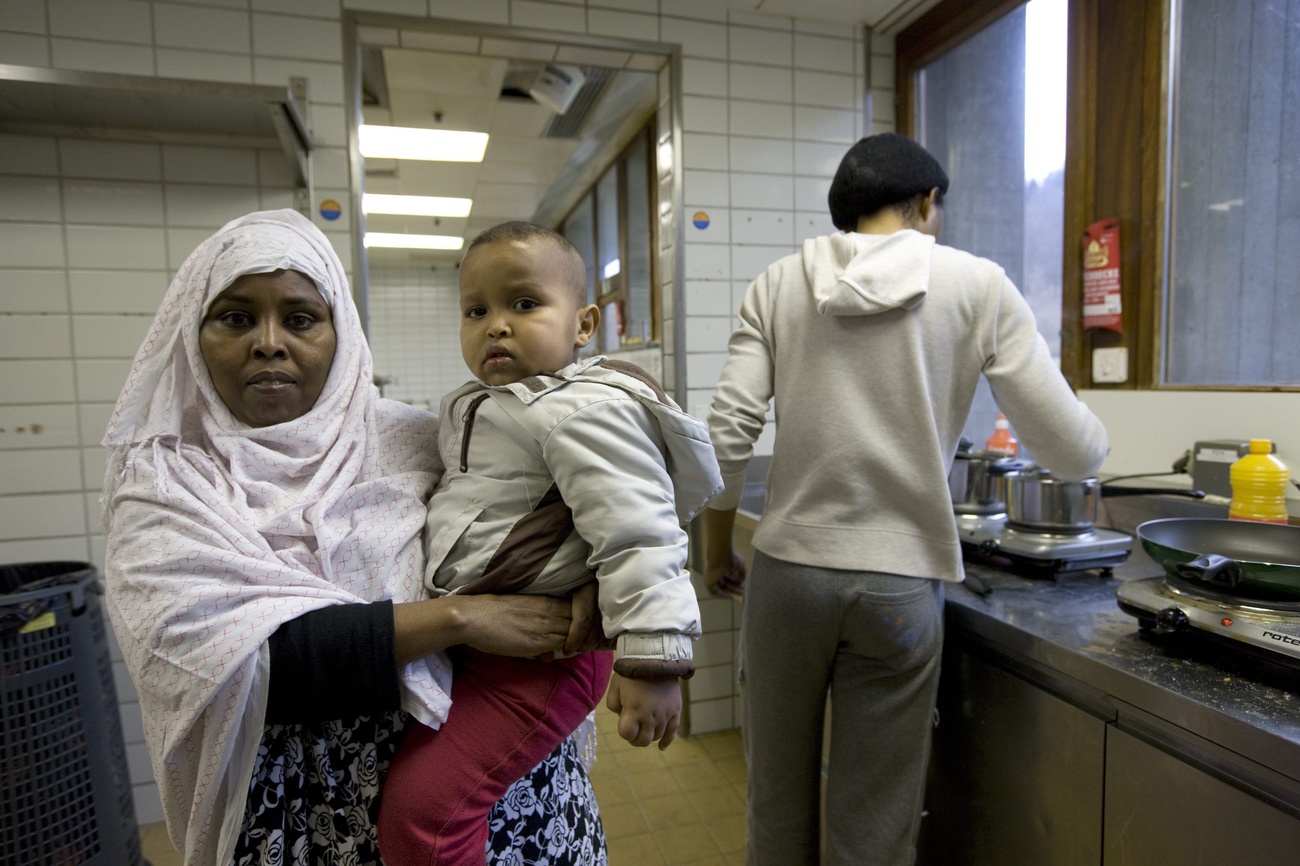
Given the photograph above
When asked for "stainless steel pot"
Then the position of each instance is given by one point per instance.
(1040, 502)
(977, 481)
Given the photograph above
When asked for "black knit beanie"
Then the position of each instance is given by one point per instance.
(879, 171)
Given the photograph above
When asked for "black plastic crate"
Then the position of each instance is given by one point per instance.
(63, 771)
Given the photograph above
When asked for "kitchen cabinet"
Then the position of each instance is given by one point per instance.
(1162, 808)
(1066, 738)
(1018, 771)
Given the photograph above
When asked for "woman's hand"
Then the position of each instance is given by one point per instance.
(724, 569)
(727, 580)
(507, 625)
(585, 630)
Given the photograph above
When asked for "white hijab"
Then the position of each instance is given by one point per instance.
(218, 532)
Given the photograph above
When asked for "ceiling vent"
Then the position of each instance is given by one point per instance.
(569, 124)
(531, 83)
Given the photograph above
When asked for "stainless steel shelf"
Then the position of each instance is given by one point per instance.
(40, 101)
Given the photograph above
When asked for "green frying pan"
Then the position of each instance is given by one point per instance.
(1252, 560)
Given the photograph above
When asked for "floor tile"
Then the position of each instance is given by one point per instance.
(687, 844)
(650, 783)
(157, 846)
(685, 751)
(722, 744)
(734, 769)
(692, 796)
(613, 789)
(669, 814)
(729, 832)
(623, 819)
(716, 802)
(639, 850)
(694, 777)
(634, 758)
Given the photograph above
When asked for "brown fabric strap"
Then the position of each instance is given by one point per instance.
(654, 669)
(527, 548)
(534, 383)
(632, 370)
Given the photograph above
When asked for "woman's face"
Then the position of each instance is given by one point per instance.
(268, 341)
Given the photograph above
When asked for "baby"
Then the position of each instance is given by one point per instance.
(557, 470)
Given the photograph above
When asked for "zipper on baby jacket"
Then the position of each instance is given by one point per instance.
(469, 428)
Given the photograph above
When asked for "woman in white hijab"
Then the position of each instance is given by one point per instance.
(263, 507)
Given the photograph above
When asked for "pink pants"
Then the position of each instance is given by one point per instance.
(507, 715)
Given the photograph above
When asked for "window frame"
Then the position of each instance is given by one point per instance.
(1117, 88)
(618, 290)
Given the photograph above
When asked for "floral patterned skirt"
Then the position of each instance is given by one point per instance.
(315, 800)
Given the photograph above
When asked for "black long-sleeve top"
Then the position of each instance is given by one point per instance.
(336, 662)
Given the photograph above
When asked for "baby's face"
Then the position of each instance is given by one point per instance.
(520, 312)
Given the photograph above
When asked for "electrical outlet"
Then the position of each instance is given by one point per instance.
(1110, 365)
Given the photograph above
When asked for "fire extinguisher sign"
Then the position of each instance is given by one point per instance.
(1101, 286)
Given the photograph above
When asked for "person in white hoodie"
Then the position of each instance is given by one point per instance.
(871, 342)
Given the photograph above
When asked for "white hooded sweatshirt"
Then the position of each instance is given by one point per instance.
(872, 346)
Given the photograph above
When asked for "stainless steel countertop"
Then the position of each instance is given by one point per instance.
(1072, 626)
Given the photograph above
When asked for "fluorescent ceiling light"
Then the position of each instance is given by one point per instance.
(413, 242)
(404, 142)
(416, 205)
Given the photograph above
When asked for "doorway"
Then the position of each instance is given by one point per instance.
(538, 166)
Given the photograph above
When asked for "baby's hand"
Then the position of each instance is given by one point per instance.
(648, 710)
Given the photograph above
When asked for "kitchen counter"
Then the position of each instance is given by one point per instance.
(1065, 736)
(1070, 629)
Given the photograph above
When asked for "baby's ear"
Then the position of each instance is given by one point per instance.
(588, 321)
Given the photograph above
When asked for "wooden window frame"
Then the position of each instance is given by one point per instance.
(1114, 158)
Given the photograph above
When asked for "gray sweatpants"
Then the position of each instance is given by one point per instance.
(873, 640)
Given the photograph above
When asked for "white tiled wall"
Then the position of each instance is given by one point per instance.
(413, 344)
(89, 235)
(90, 231)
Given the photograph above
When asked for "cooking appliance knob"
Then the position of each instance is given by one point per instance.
(1171, 619)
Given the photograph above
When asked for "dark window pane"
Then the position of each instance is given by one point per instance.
(1234, 199)
(991, 111)
(581, 233)
(608, 264)
(638, 329)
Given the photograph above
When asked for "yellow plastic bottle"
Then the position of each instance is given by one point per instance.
(1259, 483)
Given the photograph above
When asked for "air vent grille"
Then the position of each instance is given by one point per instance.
(569, 124)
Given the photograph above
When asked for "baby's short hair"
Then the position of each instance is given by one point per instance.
(525, 232)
